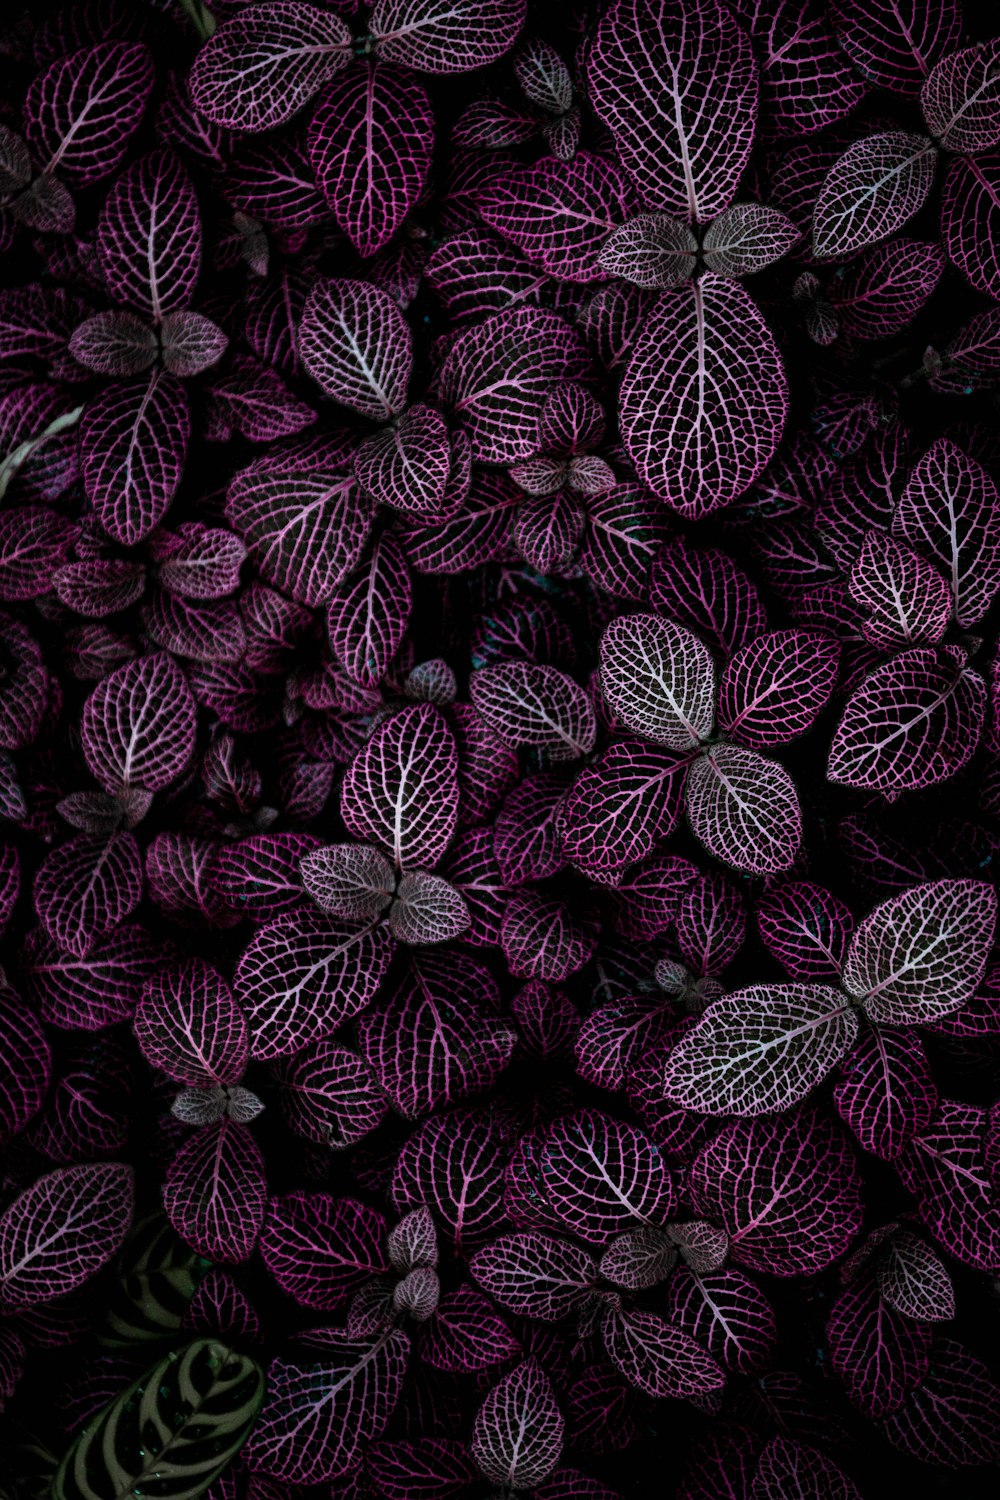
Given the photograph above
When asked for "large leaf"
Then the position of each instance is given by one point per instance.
(620, 806)
(774, 688)
(83, 109)
(950, 510)
(407, 465)
(445, 36)
(320, 1249)
(517, 1436)
(261, 67)
(626, 527)
(658, 679)
(355, 344)
(659, 1359)
(176, 1428)
(727, 1313)
(877, 1354)
(88, 993)
(886, 1092)
(368, 614)
(324, 1402)
(149, 236)
(946, 1169)
(215, 1192)
(678, 90)
(960, 99)
(952, 1418)
(525, 704)
(535, 1275)
(913, 721)
(328, 1094)
(59, 1232)
(559, 213)
(909, 602)
(886, 288)
(702, 426)
(895, 43)
(744, 808)
(86, 888)
(189, 1026)
(370, 142)
(133, 441)
(401, 789)
(139, 726)
(786, 1190)
(872, 190)
(760, 1050)
(454, 1164)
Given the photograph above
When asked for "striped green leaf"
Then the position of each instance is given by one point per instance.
(156, 1277)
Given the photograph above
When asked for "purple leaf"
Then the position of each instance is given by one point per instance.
(254, 401)
(711, 924)
(61, 1230)
(329, 1095)
(114, 343)
(349, 880)
(914, 721)
(543, 938)
(149, 236)
(910, 602)
(320, 1249)
(305, 975)
(960, 99)
(805, 81)
(878, 1355)
(650, 250)
(85, 888)
(326, 1402)
(454, 1164)
(215, 1192)
(921, 954)
(648, 899)
(945, 1168)
(679, 94)
(536, 1276)
(950, 510)
(705, 591)
(370, 142)
(895, 43)
(407, 465)
(437, 1037)
(139, 726)
(775, 687)
(745, 810)
(658, 679)
(747, 237)
(659, 1359)
(26, 1065)
(886, 288)
(952, 1419)
(445, 36)
(970, 220)
(727, 1313)
(34, 543)
(806, 928)
(368, 614)
(790, 1468)
(83, 109)
(427, 910)
(260, 68)
(559, 213)
(355, 344)
(702, 429)
(533, 705)
(625, 529)
(619, 808)
(189, 1026)
(526, 837)
(786, 1191)
(200, 562)
(401, 789)
(872, 190)
(133, 441)
(913, 1280)
(478, 532)
(517, 1437)
(88, 993)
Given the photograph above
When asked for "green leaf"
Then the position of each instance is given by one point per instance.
(156, 1277)
(171, 1433)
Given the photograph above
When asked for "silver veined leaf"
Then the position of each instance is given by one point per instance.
(173, 1431)
(960, 99)
(920, 955)
(896, 43)
(657, 1358)
(658, 679)
(760, 1050)
(427, 909)
(914, 1280)
(745, 810)
(527, 704)
(83, 109)
(139, 725)
(149, 236)
(639, 1258)
(650, 250)
(349, 880)
(871, 191)
(401, 789)
(215, 1191)
(535, 1275)
(445, 36)
(61, 1230)
(702, 425)
(517, 1437)
(189, 1026)
(356, 345)
(910, 602)
(776, 685)
(746, 237)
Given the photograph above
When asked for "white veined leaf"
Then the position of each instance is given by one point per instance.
(658, 679)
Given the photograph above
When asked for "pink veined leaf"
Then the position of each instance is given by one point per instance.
(547, 531)
(253, 400)
(349, 880)
(626, 527)
(83, 109)
(454, 1164)
(114, 343)
(913, 1280)
(711, 924)
(945, 1168)
(638, 1259)
(786, 1190)
(806, 82)
(413, 1241)
(472, 870)
(149, 236)
(321, 1249)
(679, 94)
(324, 1403)
(189, 1026)
(526, 837)
(370, 142)
(191, 343)
(328, 1094)
(26, 1065)
(445, 36)
(705, 591)
(215, 1192)
(34, 543)
(658, 679)
(525, 704)
(726, 1313)
(862, 494)
(202, 563)
(488, 768)
(789, 1468)
(438, 1037)
(650, 250)
(615, 1035)
(760, 1050)
(438, 1467)
(407, 465)
(589, 1175)
(368, 614)
(479, 531)
(535, 1275)
(401, 789)
(304, 975)
(952, 1419)
(61, 1230)
(914, 721)
(260, 68)
(720, 1465)
(497, 375)
(910, 602)
(101, 587)
(878, 1355)
(960, 99)
(895, 43)
(355, 343)
(647, 900)
(745, 810)
(970, 220)
(658, 1358)
(807, 929)
(517, 1437)
(886, 288)
(702, 429)
(559, 213)
(873, 189)
(921, 955)
(86, 888)
(774, 688)
(220, 1307)
(543, 938)
(746, 237)
(950, 510)
(427, 909)
(133, 441)
(139, 725)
